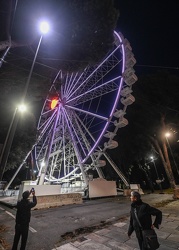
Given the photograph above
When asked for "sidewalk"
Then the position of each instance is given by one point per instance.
(114, 235)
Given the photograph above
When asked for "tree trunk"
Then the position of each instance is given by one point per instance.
(169, 173)
(165, 151)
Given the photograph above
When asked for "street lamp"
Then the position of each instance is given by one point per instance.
(22, 108)
(44, 28)
(167, 135)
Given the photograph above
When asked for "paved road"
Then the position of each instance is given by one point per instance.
(57, 226)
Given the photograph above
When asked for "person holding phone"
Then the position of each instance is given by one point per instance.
(23, 216)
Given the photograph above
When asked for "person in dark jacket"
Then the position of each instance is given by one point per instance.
(23, 218)
(144, 213)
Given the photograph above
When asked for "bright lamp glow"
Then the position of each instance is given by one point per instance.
(44, 27)
(167, 134)
(22, 108)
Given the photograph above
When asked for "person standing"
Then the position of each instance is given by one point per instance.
(23, 218)
(144, 213)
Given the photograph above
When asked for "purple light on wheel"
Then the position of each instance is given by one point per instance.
(115, 103)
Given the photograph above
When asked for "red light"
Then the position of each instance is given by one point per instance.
(54, 103)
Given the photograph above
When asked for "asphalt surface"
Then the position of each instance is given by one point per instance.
(95, 224)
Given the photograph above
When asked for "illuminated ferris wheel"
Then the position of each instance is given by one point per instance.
(81, 116)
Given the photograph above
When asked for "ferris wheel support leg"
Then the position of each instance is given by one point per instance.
(42, 178)
(17, 171)
(116, 169)
(100, 173)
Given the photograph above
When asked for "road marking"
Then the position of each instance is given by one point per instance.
(30, 228)
(10, 214)
(2, 209)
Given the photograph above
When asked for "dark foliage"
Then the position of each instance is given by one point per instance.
(81, 31)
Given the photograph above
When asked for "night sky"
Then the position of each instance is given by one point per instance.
(150, 26)
(152, 29)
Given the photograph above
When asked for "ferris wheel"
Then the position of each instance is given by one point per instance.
(81, 116)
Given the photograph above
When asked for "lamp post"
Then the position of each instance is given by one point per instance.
(9, 138)
(167, 135)
(44, 28)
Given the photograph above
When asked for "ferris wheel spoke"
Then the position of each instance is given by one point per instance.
(87, 133)
(77, 134)
(86, 129)
(84, 142)
(69, 79)
(70, 86)
(45, 132)
(96, 91)
(76, 149)
(66, 82)
(46, 119)
(94, 75)
(56, 151)
(92, 138)
(41, 147)
(64, 145)
(88, 113)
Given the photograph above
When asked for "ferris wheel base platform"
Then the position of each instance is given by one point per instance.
(50, 195)
(54, 195)
(48, 201)
(102, 188)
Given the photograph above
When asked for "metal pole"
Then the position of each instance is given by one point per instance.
(8, 143)
(31, 70)
(4, 55)
(13, 125)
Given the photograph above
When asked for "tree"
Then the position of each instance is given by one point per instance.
(156, 107)
(82, 30)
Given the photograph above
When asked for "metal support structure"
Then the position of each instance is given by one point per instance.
(116, 169)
